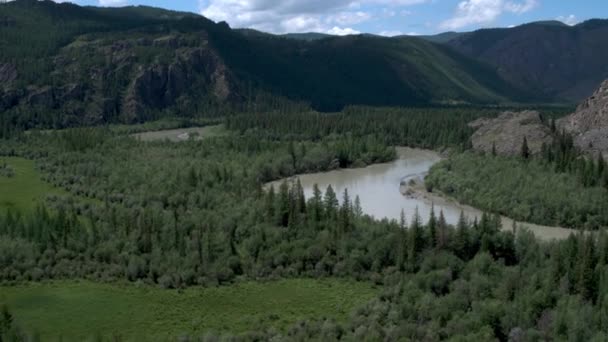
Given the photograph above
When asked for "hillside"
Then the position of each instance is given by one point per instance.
(61, 64)
(589, 123)
(560, 62)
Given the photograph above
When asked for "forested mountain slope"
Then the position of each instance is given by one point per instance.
(61, 64)
(546, 58)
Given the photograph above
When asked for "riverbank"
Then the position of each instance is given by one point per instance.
(379, 189)
(435, 198)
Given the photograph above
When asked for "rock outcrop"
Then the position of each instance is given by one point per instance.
(8, 73)
(125, 79)
(506, 133)
(589, 124)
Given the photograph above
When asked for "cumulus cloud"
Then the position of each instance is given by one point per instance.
(470, 12)
(113, 3)
(570, 20)
(281, 16)
(342, 31)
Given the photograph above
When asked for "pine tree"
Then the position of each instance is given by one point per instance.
(416, 241)
(283, 205)
(442, 231)
(345, 212)
(432, 227)
(317, 203)
(461, 240)
(586, 265)
(358, 210)
(270, 204)
(331, 202)
(300, 198)
(525, 150)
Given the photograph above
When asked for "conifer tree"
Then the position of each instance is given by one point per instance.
(317, 203)
(442, 231)
(416, 241)
(270, 204)
(461, 240)
(283, 205)
(432, 227)
(331, 202)
(525, 150)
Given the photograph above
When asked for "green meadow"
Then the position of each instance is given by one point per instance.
(80, 310)
(25, 188)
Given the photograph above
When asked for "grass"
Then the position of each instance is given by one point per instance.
(80, 310)
(183, 134)
(25, 188)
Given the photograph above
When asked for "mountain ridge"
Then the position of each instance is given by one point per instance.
(62, 64)
(66, 64)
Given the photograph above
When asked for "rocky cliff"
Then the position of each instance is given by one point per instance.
(125, 78)
(589, 124)
(506, 133)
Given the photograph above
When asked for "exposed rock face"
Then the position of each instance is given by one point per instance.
(109, 79)
(8, 74)
(589, 124)
(507, 133)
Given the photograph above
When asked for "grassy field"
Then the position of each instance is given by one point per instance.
(25, 188)
(80, 310)
(183, 134)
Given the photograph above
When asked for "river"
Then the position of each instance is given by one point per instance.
(380, 193)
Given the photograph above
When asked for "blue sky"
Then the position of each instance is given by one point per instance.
(387, 17)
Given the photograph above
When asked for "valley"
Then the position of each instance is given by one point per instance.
(166, 177)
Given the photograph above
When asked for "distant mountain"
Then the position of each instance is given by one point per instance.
(443, 37)
(550, 59)
(309, 36)
(61, 64)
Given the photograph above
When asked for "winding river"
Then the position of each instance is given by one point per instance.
(380, 192)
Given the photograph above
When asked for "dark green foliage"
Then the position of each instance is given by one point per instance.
(531, 191)
(194, 213)
(423, 127)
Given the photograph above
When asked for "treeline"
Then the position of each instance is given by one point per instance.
(422, 127)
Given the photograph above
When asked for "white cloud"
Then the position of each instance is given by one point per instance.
(471, 12)
(281, 16)
(390, 33)
(113, 3)
(570, 20)
(342, 31)
(521, 7)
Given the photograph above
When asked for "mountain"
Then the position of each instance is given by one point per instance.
(589, 123)
(62, 64)
(308, 36)
(550, 59)
(443, 37)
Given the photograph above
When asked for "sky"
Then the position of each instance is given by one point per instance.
(384, 17)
